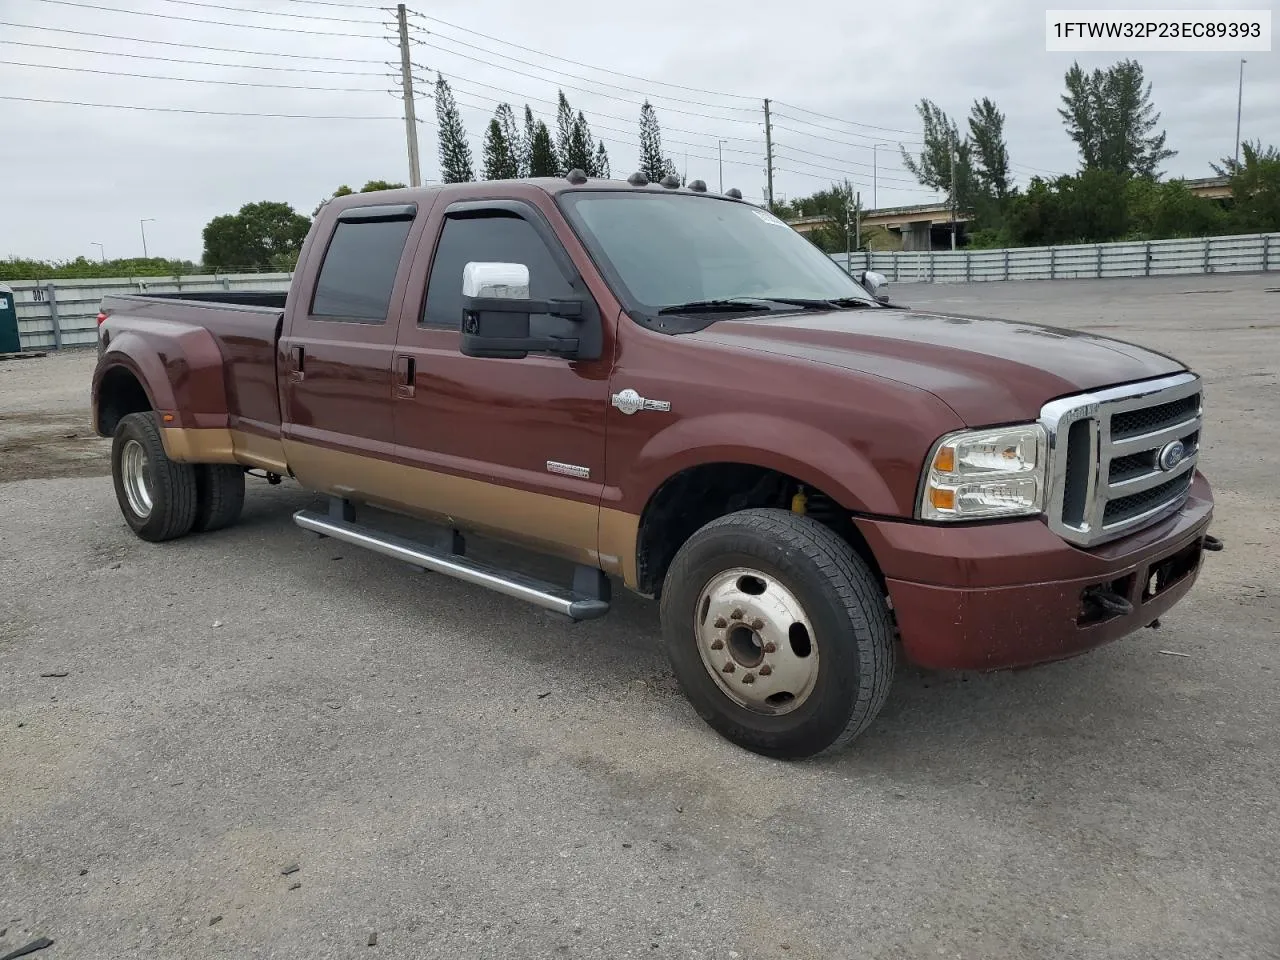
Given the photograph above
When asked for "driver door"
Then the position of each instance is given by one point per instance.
(514, 448)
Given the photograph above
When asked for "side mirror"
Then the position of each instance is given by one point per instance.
(874, 284)
(496, 308)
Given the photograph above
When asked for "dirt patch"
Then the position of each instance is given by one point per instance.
(42, 445)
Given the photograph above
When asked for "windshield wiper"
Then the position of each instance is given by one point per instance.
(718, 306)
(840, 303)
(762, 304)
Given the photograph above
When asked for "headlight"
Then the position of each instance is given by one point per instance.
(975, 474)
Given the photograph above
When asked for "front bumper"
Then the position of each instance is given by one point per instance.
(997, 595)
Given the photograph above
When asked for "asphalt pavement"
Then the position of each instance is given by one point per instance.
(465, 776)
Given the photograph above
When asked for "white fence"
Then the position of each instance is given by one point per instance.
(1153, 258)
(63, 313)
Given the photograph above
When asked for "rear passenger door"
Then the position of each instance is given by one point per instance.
(337, 347)
(514, 447)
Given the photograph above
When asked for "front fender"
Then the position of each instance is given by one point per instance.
(805, 452)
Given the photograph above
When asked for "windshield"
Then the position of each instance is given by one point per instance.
(663, 250)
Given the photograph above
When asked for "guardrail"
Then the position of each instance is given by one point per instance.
(53, 314)
(1144, 258)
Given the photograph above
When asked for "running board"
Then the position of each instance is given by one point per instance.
(589, 599)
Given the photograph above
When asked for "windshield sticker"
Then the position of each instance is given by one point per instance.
(769, 218)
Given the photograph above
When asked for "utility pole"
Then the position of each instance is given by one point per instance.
(768, 152)
(406, 87)
(857, 221)
(953, 196)
(142, 225)
(848, 212)
(1239, 101)
(102, 251)
(720, 154)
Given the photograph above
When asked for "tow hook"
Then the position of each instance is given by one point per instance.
(1212, 543)
(1112, 603)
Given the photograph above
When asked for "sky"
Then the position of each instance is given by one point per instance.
(843, 77)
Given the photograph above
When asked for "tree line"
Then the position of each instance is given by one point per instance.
(512, 150)
(1116, 194)
(269, 235)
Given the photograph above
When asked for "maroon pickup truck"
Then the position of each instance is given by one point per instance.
(673, 389)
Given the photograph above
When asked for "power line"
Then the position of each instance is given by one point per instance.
(565, 73)
(214, 113)
(552, 56)
(198, 63)
(819, 166)
(845, 160)
(567, 86)
(333, 3)
(216, 23)
(192, 46)
(826, 116)
(815, 176)
(460, 84)
(232, 83)
(843, 133)
(278, 13)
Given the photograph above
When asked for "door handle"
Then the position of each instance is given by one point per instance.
(406, 379)
(297, 361)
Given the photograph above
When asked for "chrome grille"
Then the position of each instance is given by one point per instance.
(1105, 475)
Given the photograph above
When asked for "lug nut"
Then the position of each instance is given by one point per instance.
(770, 647)
(717, 644)
(736, 615)
(749, 678)
(721, 623)
(729, 667)
(757, 624)
(766, 670)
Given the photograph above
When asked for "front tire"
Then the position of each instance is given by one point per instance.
(156, 495)
(778, 632)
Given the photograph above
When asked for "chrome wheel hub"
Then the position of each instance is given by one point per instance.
(133, 475)
(756, 641)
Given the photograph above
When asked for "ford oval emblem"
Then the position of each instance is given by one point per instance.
(1171, 455)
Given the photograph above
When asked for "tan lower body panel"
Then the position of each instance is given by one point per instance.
(571, 529)
(221, 445)
(577, 531)
(618, 535)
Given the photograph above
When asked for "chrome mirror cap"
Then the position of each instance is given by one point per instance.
(497, 281)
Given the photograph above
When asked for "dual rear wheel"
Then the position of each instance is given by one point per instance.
(162, 499)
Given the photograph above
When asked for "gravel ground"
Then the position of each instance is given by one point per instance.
(469, 777)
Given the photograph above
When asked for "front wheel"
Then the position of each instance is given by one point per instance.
(778, 633)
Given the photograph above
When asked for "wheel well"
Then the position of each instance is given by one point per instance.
(694, 497)
(119, 395)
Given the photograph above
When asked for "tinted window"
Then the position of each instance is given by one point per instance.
(359, 270)
(493, 239)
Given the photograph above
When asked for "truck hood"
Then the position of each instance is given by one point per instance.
(987, 370)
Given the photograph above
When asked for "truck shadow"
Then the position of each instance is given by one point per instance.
(1062, 713)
